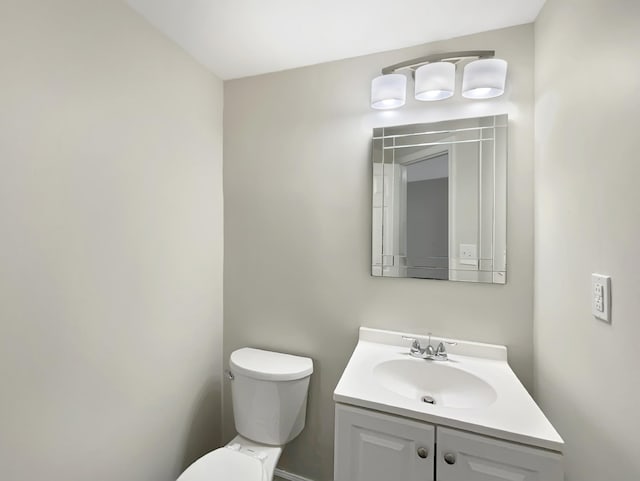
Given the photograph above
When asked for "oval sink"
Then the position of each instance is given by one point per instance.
(444, 384)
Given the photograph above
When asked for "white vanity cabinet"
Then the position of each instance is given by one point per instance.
(463, 456)
(372, 446)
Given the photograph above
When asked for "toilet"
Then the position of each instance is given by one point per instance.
(269, 392)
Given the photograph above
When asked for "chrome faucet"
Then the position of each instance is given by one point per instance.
(428, 352)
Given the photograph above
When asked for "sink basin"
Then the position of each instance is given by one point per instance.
(475, 390)
(433, 382)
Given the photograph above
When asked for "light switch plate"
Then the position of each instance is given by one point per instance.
(601, 297)
(469, 254)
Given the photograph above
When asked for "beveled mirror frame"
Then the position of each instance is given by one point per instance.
(475, 143)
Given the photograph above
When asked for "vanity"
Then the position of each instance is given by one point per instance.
(462, 417)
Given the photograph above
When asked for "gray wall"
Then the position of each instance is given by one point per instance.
(110, 246)
(588, 220)
(297, 181)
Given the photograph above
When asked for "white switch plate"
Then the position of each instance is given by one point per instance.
(601, 297)
(469, 254)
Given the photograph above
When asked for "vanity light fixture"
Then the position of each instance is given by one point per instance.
(484, 78)
(435, 78)
(435, 81)
(388, 91)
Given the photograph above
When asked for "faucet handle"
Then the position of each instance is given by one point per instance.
(416, 348)
(441, 351)
(407, 338)
(415, 342)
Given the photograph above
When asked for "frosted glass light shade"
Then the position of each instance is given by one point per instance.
(388, 91)
(435, 81)
(484, 78)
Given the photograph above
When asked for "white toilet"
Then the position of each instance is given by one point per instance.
(269, 392)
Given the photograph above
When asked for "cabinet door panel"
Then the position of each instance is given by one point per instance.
(480, 458)
(371, 446)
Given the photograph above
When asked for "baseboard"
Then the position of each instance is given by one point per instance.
(289, 476)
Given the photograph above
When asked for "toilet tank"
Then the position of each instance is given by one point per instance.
(269, 391)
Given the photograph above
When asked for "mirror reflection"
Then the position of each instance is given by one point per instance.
(439, 200)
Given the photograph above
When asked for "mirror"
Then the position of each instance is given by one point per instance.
(440, 200)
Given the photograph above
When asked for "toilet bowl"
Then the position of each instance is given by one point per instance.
(240, 460)
(269, 392)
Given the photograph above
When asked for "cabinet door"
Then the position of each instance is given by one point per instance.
(371, 446)
(470, 457)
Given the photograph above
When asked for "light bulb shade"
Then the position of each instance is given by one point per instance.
(388, 91)
(484, 78)
(435, 81)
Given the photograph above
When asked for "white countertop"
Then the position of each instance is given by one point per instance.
(513, 416)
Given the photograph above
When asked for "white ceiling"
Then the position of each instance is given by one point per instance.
(239, 38)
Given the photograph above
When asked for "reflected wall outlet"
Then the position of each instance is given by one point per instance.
(469, 254)
(601, 297)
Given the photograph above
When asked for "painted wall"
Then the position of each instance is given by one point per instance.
(588, 220)
(297, 181)
(110, 246)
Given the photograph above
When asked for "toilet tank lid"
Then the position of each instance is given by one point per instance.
(270, 366)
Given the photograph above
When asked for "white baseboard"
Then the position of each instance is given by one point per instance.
(289, 476)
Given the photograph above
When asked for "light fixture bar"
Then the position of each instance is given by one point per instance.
(438, 57)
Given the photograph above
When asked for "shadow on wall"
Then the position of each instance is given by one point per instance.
(204, 434)
(609, 445)
(295, 457)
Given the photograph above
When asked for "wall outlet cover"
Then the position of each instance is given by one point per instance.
(601, 297)
(469, 254)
